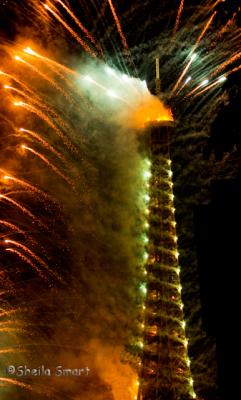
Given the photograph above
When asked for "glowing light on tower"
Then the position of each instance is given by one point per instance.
(164, 370)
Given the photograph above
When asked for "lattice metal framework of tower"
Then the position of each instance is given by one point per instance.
(165, 368)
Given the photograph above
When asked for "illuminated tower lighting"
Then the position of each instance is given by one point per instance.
(164, 370)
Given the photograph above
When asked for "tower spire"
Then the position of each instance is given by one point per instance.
(158, 81)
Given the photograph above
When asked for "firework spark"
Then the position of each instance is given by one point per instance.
(45, 144)
(70, 30)
(35, 256)
(206, 27)
(179, 13)
(124, 42)
(48, 163)
(27, 260)
(23, 209)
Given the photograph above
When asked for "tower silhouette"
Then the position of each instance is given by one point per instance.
(164, 370)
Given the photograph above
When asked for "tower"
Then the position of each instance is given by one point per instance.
(165, 367)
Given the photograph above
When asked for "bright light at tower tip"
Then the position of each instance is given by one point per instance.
(188, 79)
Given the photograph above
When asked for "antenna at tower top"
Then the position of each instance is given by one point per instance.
(158, 81)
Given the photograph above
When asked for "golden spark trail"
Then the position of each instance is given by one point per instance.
(216, 3)
(44, 77)
(45, 144)
(207, 88)
(10, 330)
(49, 164)
(39, 102)
(205, 29)
(57, 68)
(16, 383)
(27, 260)
(26, 185)
(34, 255)
(71, 31)
(87, 33)
(31, 97)
(197, 87)
(45, 118)
(184, 84)
(9, 312)
(193, 50)
(48, 60)
(18, 230)
(15, 79)
(13, 350)
(124, 42)
(12, 226)
(228, 24)
(23, 209)
(180, 9)
(10, 322)
(226, 63)
(234, 70)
